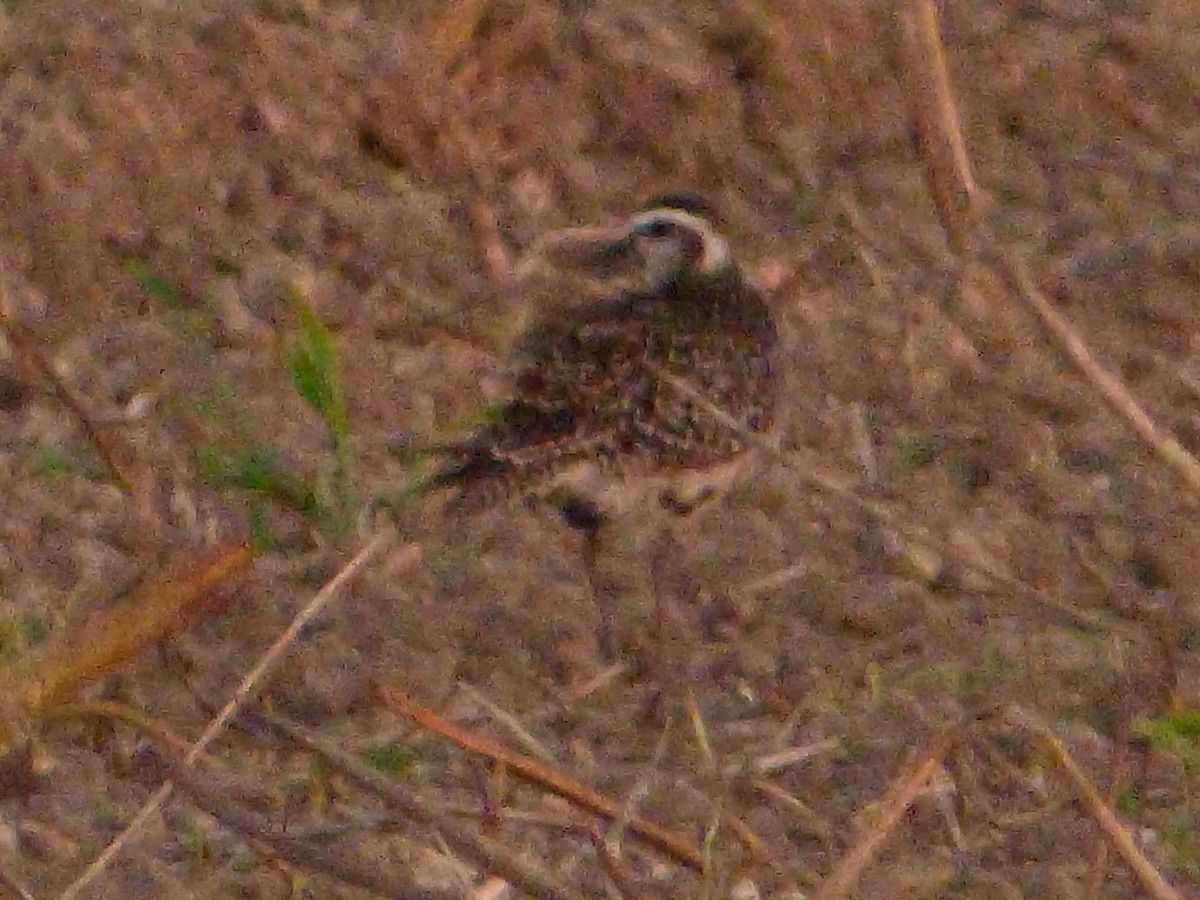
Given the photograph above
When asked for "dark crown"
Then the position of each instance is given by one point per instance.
(687, 201)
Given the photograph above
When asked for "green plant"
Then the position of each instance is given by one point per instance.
(1177, 734)
(312, 362)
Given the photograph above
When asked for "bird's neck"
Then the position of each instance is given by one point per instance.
(712, 297)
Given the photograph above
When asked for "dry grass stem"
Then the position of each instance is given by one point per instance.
(511, 722)
(30, 347)
(627, 820)
(1109, 386)
(487, 854)
(606, 677)
(846, 875)
(784, 759)
(611, 863)
(164, 606)
(552, 779)
(346, 867)
(245, 691)
(1151, 880)
(931, 105)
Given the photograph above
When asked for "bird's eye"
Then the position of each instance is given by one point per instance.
(656, 230)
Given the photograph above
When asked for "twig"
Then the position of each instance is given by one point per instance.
(621, 882)
(1109, 386)
(720, 778)
(633, 799)
(784, 759)
(381, 542)
(511, 722)
(571, 696)
(29, 346)
(931, 104)
(18, 889)
(162, 606)
(841, 487)
(387, 881)
(549, 778)
(487, 855)
(1117, 833)
(801, 815)
(841, 882)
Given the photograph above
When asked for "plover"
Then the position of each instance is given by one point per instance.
(663, 382)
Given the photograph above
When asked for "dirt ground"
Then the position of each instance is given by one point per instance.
(963, 536)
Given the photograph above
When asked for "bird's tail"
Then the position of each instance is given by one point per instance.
(472, 474)
(475, 466)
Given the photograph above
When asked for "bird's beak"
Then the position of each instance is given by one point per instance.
(594, 251)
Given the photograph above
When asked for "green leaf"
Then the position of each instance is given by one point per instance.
(256, 469)
(390, 759)
(314, 368)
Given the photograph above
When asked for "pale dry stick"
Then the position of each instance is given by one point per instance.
(511, 722)
(774, 580)
(803, 815)
(843, 488)
(858, 224)
(1099, 868)
(743, 831)
(1109, 386)
(926, 88)
(785, 759)
(924, 13)
(629, 809)
(700, 730)
(842, 881)
(245, 691)
(943, 790)
(551, 778)
(575, 694)
(485, 853)
(15, 887)
(1121, 839)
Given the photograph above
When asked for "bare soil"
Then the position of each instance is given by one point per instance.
(965, 525)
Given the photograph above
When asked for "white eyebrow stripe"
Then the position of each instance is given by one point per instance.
(716, 253)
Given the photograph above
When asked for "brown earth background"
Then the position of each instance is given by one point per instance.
(966, 540)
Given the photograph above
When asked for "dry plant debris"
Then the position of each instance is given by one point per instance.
(255, 258)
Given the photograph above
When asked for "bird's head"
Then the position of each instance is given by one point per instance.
(671, 238)
(674, 237)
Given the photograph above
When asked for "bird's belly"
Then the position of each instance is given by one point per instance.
(631, 493)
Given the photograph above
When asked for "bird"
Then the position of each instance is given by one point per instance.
(665, 381)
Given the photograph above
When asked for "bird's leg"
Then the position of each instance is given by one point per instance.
(585, 517)
(604, 593)
(673, 588)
